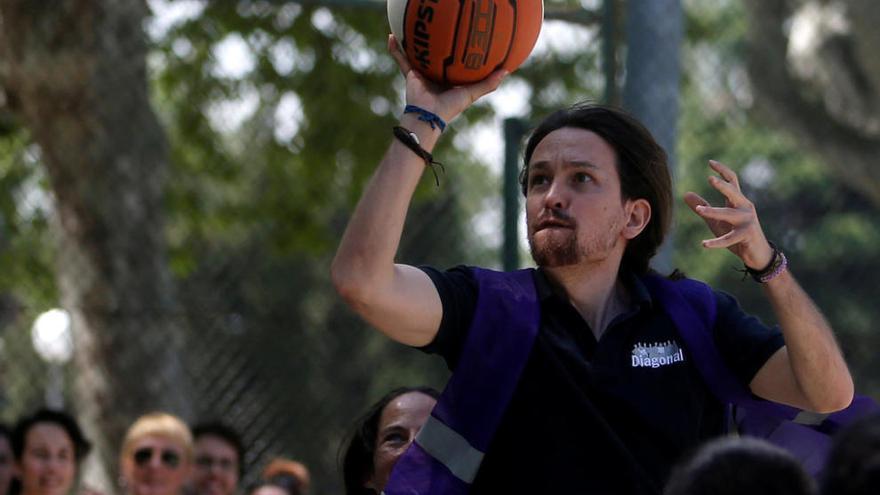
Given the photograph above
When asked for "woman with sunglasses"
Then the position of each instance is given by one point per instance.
(156, 455)
(48, 447)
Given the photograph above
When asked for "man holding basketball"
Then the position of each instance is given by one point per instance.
(608, 399)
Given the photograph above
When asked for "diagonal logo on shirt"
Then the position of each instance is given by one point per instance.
(655, 355)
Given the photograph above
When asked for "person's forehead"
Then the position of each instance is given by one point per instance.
(159, 441)
(573, 145)
(214, 443)
(46, 432)
(405, 408)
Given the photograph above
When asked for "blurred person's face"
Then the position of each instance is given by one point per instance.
(155, 465)
(216, 466)
(399, 423)
(5, 465)
(48, 461)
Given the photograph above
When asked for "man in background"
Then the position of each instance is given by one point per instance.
(219, 453)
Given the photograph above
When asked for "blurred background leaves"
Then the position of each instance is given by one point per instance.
(228, 182)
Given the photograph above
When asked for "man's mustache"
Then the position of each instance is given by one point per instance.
(554, 217)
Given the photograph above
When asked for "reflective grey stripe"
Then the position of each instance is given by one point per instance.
(809, 418)
(450, 449)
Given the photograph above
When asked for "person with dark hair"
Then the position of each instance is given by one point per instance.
(381, 435)
(6, 460)
(573, 376)
(853, 466)
(48, 447)
(219, 459)
(740, 466)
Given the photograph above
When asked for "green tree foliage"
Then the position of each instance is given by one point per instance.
(827, 230)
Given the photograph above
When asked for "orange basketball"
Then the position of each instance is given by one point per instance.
(463, 41)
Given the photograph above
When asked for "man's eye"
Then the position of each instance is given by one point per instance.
(582, 177)
(537, 180)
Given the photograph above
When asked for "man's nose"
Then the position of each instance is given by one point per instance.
(556, 196)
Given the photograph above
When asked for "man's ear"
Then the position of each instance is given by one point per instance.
(638, 213)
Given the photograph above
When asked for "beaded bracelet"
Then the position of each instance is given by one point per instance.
(426, 116)
(777, 265)
(411, 140)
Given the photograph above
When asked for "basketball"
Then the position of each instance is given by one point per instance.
(455, 42)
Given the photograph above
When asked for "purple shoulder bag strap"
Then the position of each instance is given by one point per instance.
(691, 306)
(448, 451)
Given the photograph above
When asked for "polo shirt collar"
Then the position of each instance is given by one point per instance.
(641, 298)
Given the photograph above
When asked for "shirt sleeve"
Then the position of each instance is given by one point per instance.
(744, 341)
(457, 288)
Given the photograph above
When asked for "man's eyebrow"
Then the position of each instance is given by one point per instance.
(542, 165)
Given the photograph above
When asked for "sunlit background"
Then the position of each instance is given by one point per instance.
(170, 201)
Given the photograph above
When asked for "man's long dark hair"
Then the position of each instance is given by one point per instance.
(641, 165)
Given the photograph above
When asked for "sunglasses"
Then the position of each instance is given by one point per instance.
(169, 458)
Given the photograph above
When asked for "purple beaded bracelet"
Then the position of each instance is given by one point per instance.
(776, 266)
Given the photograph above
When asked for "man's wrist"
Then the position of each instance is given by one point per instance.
(425, 115)
(763, 261)
(427, 137)
(777, 265)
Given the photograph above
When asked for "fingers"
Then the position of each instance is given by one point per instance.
(735, 236)
(693, 200)
(730, 215)
(398, 55)
(487, 85)
(728, 185)
(725, 172)
(697, 204)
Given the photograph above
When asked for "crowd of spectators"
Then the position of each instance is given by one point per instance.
(161, 455)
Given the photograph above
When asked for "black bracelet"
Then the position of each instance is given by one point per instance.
(411, 140)
(778, 264)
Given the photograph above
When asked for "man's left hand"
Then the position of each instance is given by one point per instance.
(735, 225)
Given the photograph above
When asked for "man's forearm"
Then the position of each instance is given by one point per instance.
(815, 359)
(366, 253)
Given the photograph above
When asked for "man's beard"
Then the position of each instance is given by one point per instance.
(561, 248)
(555, 252)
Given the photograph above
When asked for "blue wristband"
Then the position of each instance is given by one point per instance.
(426, 116)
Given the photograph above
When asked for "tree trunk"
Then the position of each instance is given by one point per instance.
(74, 72)
(836, 120)
(654, 32)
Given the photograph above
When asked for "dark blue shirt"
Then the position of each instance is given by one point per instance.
(606, 416)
